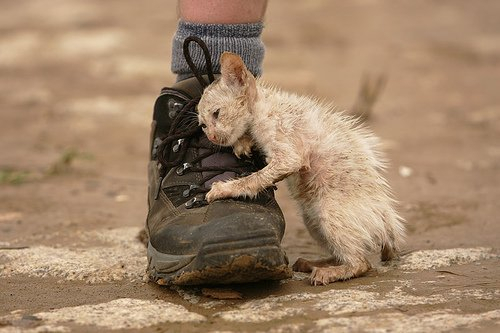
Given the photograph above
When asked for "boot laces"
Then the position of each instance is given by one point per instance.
(185, 133)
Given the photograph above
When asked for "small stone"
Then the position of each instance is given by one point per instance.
(121, 198)
(405, 171)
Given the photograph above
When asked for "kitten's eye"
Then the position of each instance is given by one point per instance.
(203, 126)
(216, 114)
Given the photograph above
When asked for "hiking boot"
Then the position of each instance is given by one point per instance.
(191, 241)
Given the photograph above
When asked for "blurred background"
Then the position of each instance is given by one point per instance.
(78, 80)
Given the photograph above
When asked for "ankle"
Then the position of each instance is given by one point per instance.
(243, 39)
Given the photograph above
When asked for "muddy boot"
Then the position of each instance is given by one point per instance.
(191, 241)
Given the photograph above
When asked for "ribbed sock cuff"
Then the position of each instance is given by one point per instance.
(243, 39)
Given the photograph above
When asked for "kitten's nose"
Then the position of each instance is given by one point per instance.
(212, 137)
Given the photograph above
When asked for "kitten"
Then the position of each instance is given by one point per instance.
(332, 167)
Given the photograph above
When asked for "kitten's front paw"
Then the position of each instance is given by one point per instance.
(243, 147)
(242, 150)
(220, 190)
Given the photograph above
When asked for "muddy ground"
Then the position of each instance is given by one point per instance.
(77, 83)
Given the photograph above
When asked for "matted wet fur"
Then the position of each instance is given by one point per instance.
(332, 166)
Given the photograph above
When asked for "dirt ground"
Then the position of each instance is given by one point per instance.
(78, 80)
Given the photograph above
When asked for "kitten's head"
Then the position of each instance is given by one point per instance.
(224, 111)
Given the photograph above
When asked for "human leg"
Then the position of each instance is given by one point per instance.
(222, 11)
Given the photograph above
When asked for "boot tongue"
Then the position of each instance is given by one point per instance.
(220, 159)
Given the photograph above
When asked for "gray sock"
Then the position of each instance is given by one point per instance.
(243, 39)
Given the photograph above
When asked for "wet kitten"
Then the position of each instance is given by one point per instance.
(332, 167)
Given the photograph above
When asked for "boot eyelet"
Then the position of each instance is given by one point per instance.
(187, 192)
(177, 146)
(180, 170)
(195, 202)
(174, 107)
(191, 203)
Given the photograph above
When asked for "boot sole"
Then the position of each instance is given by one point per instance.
(221, 262)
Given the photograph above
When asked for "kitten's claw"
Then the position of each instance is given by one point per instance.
(239, 152)
(321, 276)
(243, 147)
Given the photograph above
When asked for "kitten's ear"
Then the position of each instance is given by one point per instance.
(233, 69)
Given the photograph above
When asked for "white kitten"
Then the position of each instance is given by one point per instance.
(332, 167)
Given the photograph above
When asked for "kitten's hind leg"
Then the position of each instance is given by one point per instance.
(307, 266)
(346, 240)
(328, 274)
